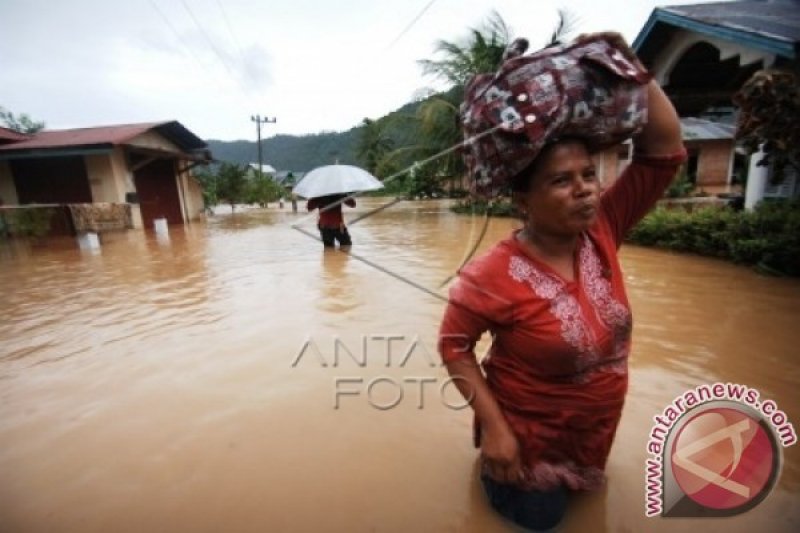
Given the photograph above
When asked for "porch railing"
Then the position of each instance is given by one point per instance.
(39, 220)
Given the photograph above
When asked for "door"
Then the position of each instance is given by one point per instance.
(157, 189)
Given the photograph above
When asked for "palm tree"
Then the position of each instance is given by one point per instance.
(567, 23)
(481, 52)
(436, 120)
(439, 131)
(373, 145)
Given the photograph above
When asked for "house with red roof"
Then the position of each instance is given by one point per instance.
(146, 166)
(10, 136)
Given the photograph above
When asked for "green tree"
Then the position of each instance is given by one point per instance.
(21, 124)
(208, 180)
(437, 117)
(424, 181)
(430, 159)
(231, 184)
(262, 190)
(373, 145)
(437, 123)
(769, 118)
(567, 23)
(482, 51)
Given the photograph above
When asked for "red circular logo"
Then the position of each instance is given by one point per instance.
(723, 458)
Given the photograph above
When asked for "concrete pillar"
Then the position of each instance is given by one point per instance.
(136, 216)
(756, 181)
(89, 241)
(731, 161)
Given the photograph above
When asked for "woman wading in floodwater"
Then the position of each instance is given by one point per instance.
(548, 397)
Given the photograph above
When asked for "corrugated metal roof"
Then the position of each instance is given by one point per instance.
(11, 135)
(266, 169)
(770, 26)
(82, 137)
(700, 129)
(107, 135)
(777, 20)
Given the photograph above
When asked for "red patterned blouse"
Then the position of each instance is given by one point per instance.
(557, 365)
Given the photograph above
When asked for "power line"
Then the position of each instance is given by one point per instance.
(237, 44)
(194, 56)
(179, 38)
(208, 39)
(216, 50)
(230, 30)
(410, 25)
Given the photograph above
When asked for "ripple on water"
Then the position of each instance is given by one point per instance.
(162, 370)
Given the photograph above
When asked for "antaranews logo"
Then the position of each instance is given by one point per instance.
(714, 451)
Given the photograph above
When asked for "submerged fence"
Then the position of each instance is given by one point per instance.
(40, 220)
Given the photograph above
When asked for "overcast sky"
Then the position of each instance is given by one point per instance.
(315, 65)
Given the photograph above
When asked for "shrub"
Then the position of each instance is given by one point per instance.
(500, 208)
(681, 186)
(31, 222)
(767, 237)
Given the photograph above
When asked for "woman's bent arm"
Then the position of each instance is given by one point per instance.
(499, 446)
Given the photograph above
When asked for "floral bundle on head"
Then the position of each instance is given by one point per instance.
(589, 89)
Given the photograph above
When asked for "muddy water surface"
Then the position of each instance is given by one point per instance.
(192, 383)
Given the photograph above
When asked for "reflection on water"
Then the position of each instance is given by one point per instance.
(338, 285)
(189, 383)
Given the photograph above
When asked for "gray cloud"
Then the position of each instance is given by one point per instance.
(257, 63)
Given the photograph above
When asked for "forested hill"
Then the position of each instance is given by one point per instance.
(291, 152)
(300, 153)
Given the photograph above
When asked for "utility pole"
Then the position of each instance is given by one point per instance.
(259, 121)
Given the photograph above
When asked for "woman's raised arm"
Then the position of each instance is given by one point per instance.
(661, 136)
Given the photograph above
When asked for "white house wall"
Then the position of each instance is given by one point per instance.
(110, 179)
(190, 194)
(123, 175)
(104, 184)
(8, 192)
(194, 194)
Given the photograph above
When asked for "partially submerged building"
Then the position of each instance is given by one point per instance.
(108, 176)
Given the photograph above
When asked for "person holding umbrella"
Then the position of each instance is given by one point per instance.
(327, 188)
(331, 223)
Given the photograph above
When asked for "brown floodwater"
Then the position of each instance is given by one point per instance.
(191, 383)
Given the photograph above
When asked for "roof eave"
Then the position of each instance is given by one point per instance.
(772, 45)
(645, 31)
(61, 151)
(179, 134)
(198, 155)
